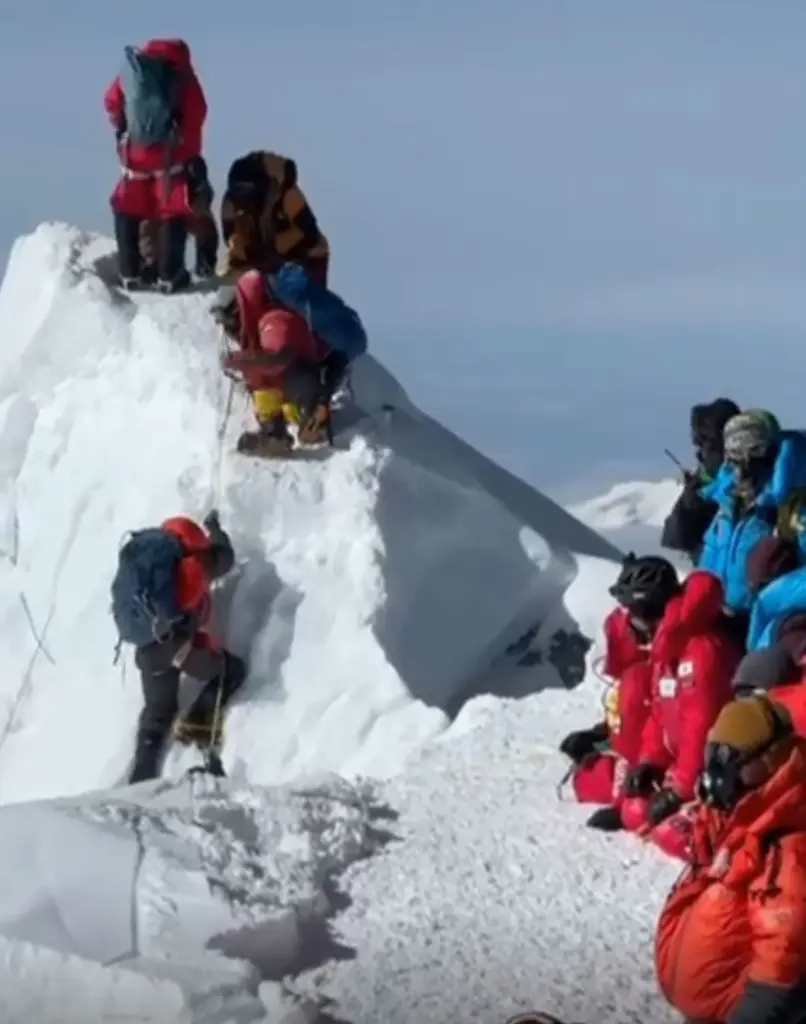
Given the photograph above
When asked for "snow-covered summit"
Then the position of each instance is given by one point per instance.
(390, 599)
(375, 591)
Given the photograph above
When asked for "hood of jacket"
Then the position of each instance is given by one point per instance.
(697, 609)
(788, 474)
(176, 51)
(281, 170)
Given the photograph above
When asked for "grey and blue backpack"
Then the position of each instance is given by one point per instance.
(326, 313)
(144, 603)
(151, 91)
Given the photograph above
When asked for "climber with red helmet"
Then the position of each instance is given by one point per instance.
(161, 606)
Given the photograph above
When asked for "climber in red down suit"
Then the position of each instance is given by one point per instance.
(604, 755)
(694, 655)
(157, 108)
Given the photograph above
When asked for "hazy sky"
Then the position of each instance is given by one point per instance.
(492, 175)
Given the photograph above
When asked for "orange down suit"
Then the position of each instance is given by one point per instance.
(731, 938)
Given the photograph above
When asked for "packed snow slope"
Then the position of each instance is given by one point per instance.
(375, 592)
(465, 888)
(391, 600)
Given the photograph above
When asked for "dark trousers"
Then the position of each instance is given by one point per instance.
(308, 385)
(161, 705)
(201, 225)
(170, 239)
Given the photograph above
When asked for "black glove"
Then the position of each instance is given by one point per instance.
(642, 780)
(580, 744)
(212, 523)
(662, 804)
(605, 819)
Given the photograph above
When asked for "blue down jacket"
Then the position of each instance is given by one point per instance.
(777, 601)
(728, 542)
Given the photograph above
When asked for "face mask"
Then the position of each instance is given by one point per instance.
(643, 629)
(721, 785)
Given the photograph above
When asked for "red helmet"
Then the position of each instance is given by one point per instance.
(191, 579)
(193, 536)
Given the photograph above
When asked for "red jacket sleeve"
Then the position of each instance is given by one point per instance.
(113, 103)
(621, 648)
(634, 687)
(194, 114)
(701, 694)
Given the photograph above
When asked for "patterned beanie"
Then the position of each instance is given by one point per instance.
(750, 724)
(750, 435)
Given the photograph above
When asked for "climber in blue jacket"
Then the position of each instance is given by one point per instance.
(776, 575)
(760, 490)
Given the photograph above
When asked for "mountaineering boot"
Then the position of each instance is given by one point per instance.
(171, 271)
(270, 439)
(206, 235)
(147, 758)
(316, 429)
(180, 283)
(308, 391)
(132, 284)
(127, 237)
(202, 223)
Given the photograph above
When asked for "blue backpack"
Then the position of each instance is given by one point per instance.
(144, 604)
(151, 94)
(326, 314)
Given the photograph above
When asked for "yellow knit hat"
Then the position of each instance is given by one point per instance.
(752, 723)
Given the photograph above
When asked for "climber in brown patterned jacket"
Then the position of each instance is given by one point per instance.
(266, 219)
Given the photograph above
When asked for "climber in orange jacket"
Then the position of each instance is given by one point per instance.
(731, 939)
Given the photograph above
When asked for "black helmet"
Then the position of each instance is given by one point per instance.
(645, 585)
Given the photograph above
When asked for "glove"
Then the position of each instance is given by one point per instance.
(212, 522)
(232, 362)
(579, 745)
(605, 819)
(642, 779)
(661, 805)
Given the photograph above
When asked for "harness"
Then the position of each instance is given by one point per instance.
(170, 172)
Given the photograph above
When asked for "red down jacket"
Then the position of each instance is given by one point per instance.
(693, 662)
(143, 190)
(272, 330)
(628, 701)
(600, 779)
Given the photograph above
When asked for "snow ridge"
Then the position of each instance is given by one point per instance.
(410, 611)
(375, 592)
